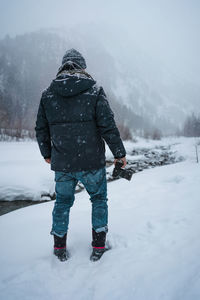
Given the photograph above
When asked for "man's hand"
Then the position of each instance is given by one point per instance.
(48, 160)
(122, 159)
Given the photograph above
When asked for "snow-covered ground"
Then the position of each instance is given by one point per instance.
(154, 230)
(25, 175)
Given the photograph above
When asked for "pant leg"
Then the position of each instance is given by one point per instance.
(65, 189)
(96, 185)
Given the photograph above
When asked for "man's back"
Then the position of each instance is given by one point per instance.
(73, 120)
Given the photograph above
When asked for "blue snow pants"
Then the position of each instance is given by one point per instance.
(95, 183)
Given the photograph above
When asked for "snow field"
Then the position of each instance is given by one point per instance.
(153, 229)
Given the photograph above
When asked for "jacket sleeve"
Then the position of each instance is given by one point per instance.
(107, 127)
(42, 132)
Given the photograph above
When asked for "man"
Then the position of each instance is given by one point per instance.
(74, 119)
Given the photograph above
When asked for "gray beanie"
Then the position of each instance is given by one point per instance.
(75, 57)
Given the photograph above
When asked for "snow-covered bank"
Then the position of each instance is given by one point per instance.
(154, 229)
(25, 175)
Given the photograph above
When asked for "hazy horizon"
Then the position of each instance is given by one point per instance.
(167, 30)
(146, 53)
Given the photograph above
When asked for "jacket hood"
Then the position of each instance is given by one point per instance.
(69, 84)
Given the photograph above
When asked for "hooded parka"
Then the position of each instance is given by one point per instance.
(73, 121)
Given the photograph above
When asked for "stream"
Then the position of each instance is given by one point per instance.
(138, 160)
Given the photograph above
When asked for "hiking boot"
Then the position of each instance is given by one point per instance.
(97, 253)
(61, 254)
(60, 249)
(98, 243)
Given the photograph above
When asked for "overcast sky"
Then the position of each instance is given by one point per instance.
(168, 28)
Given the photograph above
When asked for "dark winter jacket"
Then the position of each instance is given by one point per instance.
(74, 119)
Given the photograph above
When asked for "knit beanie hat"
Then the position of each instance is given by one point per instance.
(74, 57)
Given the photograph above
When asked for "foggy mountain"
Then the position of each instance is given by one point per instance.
(143, 93)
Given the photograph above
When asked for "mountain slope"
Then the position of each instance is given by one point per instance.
(143, 92)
